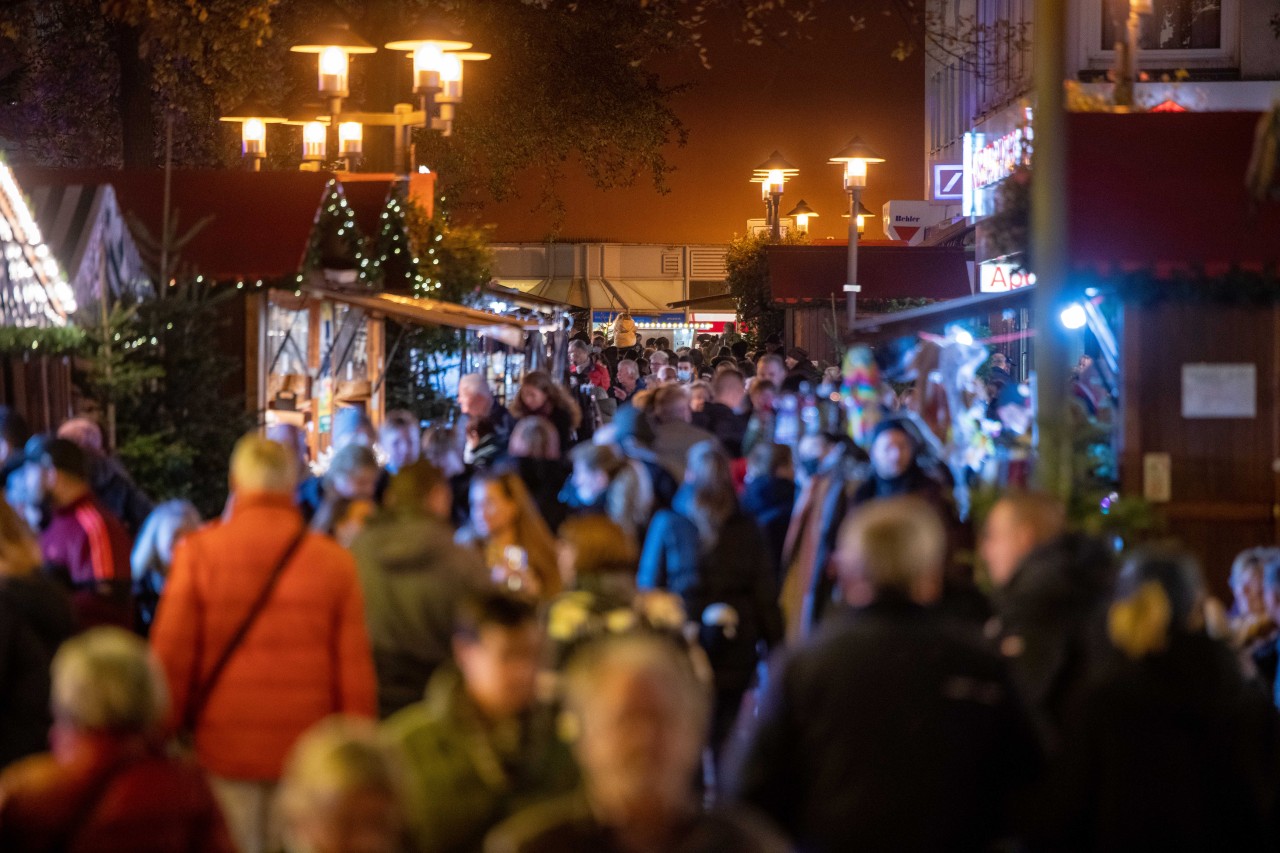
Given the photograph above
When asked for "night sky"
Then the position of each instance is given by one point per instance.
(806, 97)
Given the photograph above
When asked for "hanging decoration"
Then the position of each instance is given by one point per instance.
(33, 289)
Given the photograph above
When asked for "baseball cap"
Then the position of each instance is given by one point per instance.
(59, 453)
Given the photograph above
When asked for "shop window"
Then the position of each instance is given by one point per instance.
(1178, 34)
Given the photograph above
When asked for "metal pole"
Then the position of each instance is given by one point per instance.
(775, 225)
(851, 284)
(1049, 249)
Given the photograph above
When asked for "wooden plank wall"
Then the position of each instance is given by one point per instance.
(39, 387)
(810, 329)
(1224, 471)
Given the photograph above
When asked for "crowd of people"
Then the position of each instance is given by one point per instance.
(636, 611)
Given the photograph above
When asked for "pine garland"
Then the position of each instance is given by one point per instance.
(56, 340)
(1234, 287)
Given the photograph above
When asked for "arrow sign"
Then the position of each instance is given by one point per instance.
(948, 181)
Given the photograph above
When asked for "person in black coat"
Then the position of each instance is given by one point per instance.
(887, 731)
(35, 617)
(770, 495)
(709, 553)
(1051, 625)
(1172, 749)
(536, 456)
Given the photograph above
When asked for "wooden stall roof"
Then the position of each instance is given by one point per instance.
(1165, 192)
(426, 312)
(261, 221)
(800, 274)
(935, 318)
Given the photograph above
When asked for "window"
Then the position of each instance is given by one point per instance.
(1178, 34)
(1175, 25)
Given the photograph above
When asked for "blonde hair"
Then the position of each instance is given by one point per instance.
(1139, 624)
(261, 465)
(338, 756)
(106, 680)
(896, 543)
(1160, 591)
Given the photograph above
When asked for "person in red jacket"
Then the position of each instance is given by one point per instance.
(108, 786)
(306, 655)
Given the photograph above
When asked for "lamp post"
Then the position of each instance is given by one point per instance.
(854, 159)
(437, 56)
(772, 175)
(254, 116)
(863, 215)
(1127, 52)
(801, 214)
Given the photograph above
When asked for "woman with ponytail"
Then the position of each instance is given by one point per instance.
(1172, 749)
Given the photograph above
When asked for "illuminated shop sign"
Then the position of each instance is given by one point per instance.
(999, 158)
(1001, 278)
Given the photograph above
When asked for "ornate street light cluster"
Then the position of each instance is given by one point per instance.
(853, 159)
(438, 56)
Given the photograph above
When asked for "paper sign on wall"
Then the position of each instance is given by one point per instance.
(1219, 390)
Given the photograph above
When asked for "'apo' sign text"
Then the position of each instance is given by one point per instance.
(1001, 278)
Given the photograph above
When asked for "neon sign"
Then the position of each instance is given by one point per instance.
(1000, 157)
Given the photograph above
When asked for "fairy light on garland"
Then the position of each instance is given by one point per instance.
(33, 290)
(336, 216)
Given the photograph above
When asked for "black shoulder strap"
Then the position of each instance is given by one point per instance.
(200, 696)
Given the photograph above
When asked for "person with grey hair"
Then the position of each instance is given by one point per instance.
(108, 785)
(888, 731)
(639, 715)
(488, 425)
(629, 382)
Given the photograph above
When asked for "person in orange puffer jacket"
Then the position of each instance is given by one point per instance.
(306, 656)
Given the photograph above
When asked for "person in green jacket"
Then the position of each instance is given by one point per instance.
(480, 746)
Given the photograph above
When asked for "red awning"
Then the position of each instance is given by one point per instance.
(260, 221)
(1166, 191)
(800, 274)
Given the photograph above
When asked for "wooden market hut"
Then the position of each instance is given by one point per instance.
(1182, 265)
(292, 247)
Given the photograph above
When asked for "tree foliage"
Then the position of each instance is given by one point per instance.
(153, 365)
(94, 82)
(456, 262)
(747, 275)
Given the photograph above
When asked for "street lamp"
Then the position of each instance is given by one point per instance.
(437, 57)
(854, 159)
(254, 116)
(863, 215)
(801, 214)
(772, 175)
